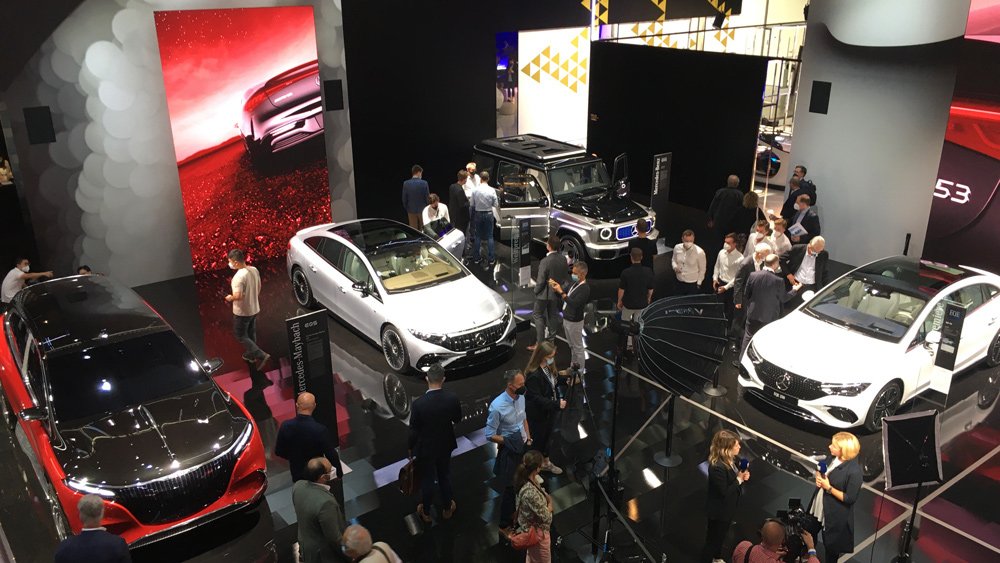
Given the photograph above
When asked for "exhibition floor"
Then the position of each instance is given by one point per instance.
(960, 520)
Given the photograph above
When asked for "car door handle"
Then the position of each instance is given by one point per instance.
(313, 268)
(342, 290)
(993, 321)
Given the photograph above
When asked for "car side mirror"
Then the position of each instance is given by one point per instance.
(807, 295)
(544, 202)
(34, 413)
(933, 337)
(212, 365)
(360, 287)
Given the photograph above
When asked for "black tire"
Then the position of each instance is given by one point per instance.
(886, 403)
(571, 246)
(396, 396)
(993, 352)
(394, 350)
(59, 521)
(302, 289)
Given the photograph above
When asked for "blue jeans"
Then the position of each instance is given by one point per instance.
(484, 230)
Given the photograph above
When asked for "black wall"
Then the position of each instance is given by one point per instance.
(421, 85)
(703, 107)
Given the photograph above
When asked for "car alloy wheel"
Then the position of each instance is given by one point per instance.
(396, 396)
(302, 289)
(993, 356)
(571, 247)
(59, 520)
(886, 403)
(394, 350)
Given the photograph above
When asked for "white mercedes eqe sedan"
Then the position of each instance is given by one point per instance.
(868, 342)
(403, 291)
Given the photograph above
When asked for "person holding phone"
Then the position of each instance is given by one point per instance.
(837, 489)
(725, 485)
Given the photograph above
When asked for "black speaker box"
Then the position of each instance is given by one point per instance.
(819, 101)
(38, 121)
(333, 93)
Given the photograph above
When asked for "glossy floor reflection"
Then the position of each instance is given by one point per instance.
(664, 505)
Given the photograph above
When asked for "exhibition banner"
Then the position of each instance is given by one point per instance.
(244, 99)
(553, 83)
(311, 365)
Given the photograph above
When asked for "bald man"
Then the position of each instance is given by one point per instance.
(358, 546)
(303, 438)
(772, 546)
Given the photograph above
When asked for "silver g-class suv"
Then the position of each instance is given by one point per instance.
(562, 189)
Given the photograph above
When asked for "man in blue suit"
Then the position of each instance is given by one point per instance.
(94, 544)
(432, 439)
(415, 193)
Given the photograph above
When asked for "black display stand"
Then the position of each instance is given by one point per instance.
(312, 369)
(912, 458)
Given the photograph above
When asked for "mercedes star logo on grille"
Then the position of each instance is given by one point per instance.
(480, 339)
(783, 382)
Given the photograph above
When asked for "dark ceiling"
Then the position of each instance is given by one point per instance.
(27, 25)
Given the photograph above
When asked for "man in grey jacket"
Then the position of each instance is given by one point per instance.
(548, 303)
(320, 519)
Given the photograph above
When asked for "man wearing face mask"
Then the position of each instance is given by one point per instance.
(575, 297)
(747, 267)
(724, 277)
(761, 233)
(764, 296)
(17, 278)
(246, 290)
(806, 264)
(507, 426)
(689, 265)
(321, 521)
(805, 224)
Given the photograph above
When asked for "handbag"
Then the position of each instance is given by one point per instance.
(527, 538)
(409, 481)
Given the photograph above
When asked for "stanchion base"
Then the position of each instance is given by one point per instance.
(714, 391)
(664, 460)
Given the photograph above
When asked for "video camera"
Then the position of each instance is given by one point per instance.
(796, 520)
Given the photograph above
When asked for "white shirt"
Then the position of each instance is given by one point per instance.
(12, 283)
(247, 282)
(807, 270)
(441, 213)
(726, 266)
(755, 238)
(691, 263)
(780, 243)
(470, 184)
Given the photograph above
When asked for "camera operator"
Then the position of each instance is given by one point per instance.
(772, 546)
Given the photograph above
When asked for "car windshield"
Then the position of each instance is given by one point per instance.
(875, 305)
(579, 180)
(110, 378)
(405, 265)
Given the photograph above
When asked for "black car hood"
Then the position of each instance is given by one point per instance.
(607, 208)
(152, 440)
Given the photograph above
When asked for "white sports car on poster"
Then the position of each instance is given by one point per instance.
(867, 343)
(402, 290)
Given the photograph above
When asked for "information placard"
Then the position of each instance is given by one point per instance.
(312, 370)
(661, 183)
(951, 335)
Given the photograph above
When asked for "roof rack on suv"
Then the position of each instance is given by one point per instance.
(535, 147)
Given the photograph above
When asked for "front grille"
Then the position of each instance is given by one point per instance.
(476, 339)
(797, 411)
(170, 499)
(789, 383)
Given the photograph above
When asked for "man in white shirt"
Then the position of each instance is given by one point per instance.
(17, 278)
(724, 277)
(779, 240)
(472, 181)
(246, 290)
(760, 233)
(689, 265)
(435, 212)
(483, 201)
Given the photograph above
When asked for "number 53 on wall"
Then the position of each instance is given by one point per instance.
(958, 193)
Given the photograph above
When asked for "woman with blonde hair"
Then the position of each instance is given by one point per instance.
(543, 398)
(837, 490)
(534, 506)
(725, 481)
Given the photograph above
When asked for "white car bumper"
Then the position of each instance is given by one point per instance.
(473, 349)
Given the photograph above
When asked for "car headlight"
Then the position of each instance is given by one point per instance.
(433, 338)
(88, 489)
(846, 389)
(505, 319)
(753, 355)
(605, 233)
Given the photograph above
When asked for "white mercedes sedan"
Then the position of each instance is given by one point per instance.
(403, 291)
(874, 339)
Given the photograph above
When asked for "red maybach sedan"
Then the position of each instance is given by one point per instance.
(111, 401)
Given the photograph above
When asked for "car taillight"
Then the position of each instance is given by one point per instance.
(259, 97)
(273, 86)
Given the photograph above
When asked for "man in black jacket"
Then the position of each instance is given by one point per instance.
(94, 544)
(303, 438)
(797, 187)
(805, 223)
(725, 206)
(806, 264)
(575, 296)
(547, 302)
(433, 417)
(764, 295)
(458, 208)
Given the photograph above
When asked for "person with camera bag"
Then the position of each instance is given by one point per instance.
(534, 508)
(838, 484)
(725, 485)
(772, 546)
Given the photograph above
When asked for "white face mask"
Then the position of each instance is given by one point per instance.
(232, 266)
(26, 269)
(796, 207)
(688, 244)
(728, 247)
